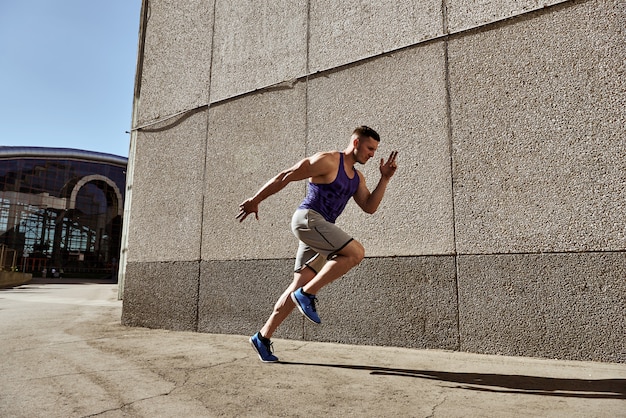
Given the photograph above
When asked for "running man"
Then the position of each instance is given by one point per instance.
(325, 252)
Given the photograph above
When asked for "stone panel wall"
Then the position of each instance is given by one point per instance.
(504, 230)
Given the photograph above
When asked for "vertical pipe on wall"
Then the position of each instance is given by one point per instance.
(445, 31)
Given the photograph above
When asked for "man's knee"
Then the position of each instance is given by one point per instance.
(355, 251)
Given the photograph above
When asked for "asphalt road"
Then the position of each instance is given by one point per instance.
(65, 354)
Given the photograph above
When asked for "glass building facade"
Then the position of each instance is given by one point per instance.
(61, 209)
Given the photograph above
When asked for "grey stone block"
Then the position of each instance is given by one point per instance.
(348, 31)
(161, 295)
(403, 97)
(257, 44)
(251, 140)
(404, 301)
(168, 182)
(395, 301)
(567, 306)
(537, 124)
(237, 297)
(467, 14)
(177, 59)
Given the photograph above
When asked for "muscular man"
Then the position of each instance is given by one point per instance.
(325, 252)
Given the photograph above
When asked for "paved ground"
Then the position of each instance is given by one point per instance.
(65, 354)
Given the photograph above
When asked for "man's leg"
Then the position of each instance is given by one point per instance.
(347, 258)
(304, 297)
(285, 305)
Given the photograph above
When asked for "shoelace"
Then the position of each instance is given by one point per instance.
(270, 347)
(313, 299)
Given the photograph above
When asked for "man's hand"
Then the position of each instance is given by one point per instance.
(388, 169)
(246, 208)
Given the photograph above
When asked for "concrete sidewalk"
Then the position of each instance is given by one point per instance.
(65, 354)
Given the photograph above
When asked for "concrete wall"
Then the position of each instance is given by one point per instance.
(13, 278)
(504, 230)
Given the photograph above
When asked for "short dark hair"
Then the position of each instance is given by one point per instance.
(366, 131)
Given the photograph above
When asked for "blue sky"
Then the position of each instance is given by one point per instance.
(67, 73)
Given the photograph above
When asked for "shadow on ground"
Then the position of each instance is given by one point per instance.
(502, 383)
(72, 280)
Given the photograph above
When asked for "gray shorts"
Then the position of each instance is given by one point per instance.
(319, 239)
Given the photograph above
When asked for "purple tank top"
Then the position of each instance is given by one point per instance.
(329, 200)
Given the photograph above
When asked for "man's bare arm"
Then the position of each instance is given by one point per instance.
(317, 165)
(369, 202)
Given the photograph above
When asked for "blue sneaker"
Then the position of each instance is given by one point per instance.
(264, 350)
(306, 305)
